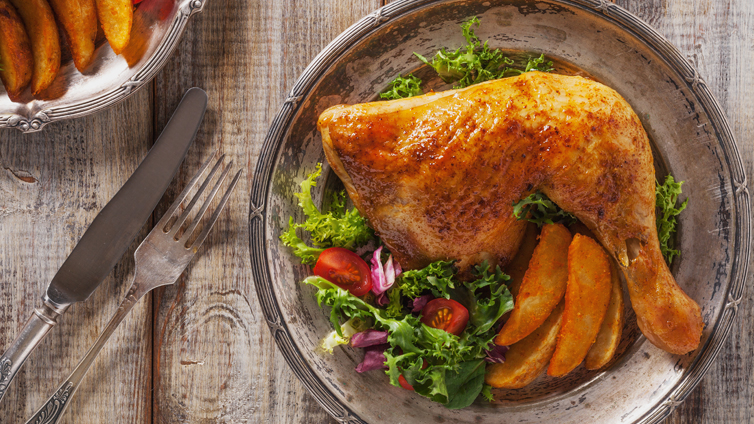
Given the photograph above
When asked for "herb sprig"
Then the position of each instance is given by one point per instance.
(539, 209)
(472, 64)
(403, 87)
(666, 198)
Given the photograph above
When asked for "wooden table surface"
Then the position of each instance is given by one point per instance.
(200, 351)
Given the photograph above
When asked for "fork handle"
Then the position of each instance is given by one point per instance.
(35, 330)
(52, 411)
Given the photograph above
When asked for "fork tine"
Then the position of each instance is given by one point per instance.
(203, 235)
(179, 222)
(206, 203)
(177, 202)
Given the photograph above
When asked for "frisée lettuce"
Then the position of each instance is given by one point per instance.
(337, 228)
(454, 371)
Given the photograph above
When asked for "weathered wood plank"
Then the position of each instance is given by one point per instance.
(718, 38)
(215, 359)
(52, 184)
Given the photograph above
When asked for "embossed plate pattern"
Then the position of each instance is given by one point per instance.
(691, 138)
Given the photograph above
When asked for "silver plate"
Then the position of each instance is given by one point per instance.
(157, 28)
(691, 138)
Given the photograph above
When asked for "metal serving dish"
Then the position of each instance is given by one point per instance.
(691, 139)
(157, 27)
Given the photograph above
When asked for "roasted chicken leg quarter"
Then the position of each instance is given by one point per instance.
(437, 175)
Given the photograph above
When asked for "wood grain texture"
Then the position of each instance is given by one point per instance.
(210, 328)
(718, 38)
(213, 359)
(52, 185)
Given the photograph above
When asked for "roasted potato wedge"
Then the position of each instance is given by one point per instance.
(45, 44)
(16, 59)
(604, 346)
(89, 12)
(543, 287)
(586, 300)
(76, 16)
(516, 269)
(116, 17)
(528, 358)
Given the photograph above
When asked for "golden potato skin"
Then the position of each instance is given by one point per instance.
(543, 287)
(16, 59)
(608, 338)
(89, 12)
(527, 359)
(437, 175)
(76, 18)
(116, 17)
(43, 34)
(586, 301)
(517, 267)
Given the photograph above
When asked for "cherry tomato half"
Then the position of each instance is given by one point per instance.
(404, 383)
(445, 314)
(345, 269)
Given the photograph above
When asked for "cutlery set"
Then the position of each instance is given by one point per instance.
(160, 259)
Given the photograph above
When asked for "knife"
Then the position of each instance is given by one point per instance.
(111, 232)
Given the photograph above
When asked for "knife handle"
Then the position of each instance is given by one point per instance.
(28, 339)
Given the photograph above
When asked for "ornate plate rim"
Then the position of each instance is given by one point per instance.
(142, 76)
(608, 11)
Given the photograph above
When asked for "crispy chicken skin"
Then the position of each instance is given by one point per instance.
(437, 175)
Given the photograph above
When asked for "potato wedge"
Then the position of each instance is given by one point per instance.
(89, 15)
(16, 59)
(543, 287)
(116, 17)
(528, 358)
(604, 346)
(516, 269)
(45, 44)
(78, 29)
(586, 300)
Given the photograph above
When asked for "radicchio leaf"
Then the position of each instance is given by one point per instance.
(382, 299)
(374, 359)
(420, 302)
(496, 355)
(383, 277)
(369, 338)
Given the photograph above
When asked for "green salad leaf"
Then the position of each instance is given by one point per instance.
(539, 209)
(487, 393)
(454, 371)
(436, 277)
(403, 87)
(347, 330)
(465, 384)
(537, 64)
(666, 198)
(339, 227)
(477, 62)
(307, 254)
(472, 64)
(485, 309)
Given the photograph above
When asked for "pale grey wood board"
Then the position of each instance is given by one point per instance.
(213, 359)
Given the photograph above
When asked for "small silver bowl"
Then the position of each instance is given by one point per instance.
(691, 139)
(157, 28)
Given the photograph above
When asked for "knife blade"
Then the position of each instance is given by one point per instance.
(111, 232)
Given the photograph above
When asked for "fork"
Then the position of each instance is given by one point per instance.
(160, 259)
